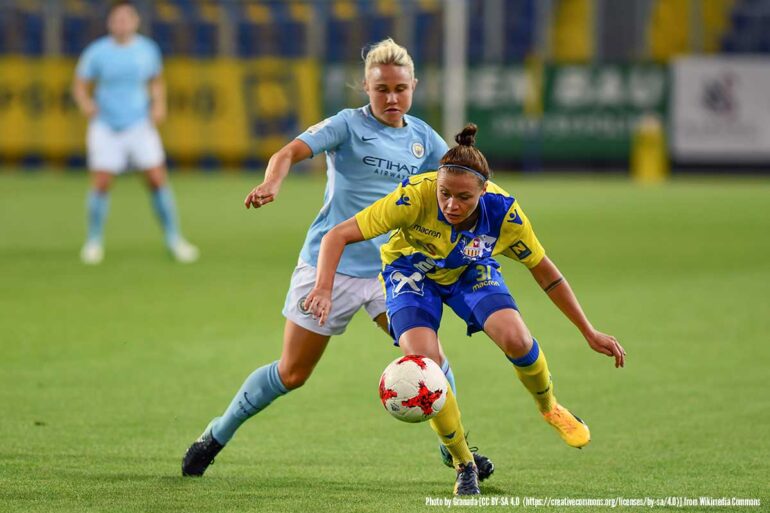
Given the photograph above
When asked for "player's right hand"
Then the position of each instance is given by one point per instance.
(261, 195)
(319, 304)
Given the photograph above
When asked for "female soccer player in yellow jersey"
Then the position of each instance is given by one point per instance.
(447, 227)
(368, 151)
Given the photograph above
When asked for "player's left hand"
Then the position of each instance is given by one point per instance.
(319, 304)
(607, 344)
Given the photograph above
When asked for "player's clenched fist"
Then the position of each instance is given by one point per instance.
(260, 195)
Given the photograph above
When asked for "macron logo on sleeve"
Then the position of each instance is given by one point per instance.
(403, 200)
(514, 217)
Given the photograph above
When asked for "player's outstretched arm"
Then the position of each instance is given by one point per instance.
(553, 283)
(277, 169)
(319, 301)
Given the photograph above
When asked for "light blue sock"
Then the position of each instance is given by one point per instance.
(165, 209)
(449, 375)
(257, 392)
(97, 206)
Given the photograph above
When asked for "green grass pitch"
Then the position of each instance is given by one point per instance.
(107, 374)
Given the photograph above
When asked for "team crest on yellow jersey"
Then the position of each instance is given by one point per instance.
(479, 246)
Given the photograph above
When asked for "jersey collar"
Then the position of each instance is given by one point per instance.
(482, 225)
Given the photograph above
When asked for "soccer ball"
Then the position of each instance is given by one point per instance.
(413, 388)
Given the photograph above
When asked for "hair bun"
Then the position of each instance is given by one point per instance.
(468, 136)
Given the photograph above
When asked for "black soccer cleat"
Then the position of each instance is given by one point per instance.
(467, 480)
(200, 455)
(484, 465)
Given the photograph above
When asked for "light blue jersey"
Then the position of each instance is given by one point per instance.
(365, 160)
(121, 73)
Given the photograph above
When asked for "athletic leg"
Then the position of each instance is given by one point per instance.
(97, 207)
(424, 341)
(485, 466)
(382, 322)
(106, 157)
(446, 424)
(507, 329)
(302, 350)
(165, 209)
(163, 202)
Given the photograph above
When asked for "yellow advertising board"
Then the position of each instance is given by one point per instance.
(37, 114)
(223, 107)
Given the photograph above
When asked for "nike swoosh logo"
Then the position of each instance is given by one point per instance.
(365, 139)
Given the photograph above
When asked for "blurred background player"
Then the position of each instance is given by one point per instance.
(368, 150)
(448, 225)
(124, 66)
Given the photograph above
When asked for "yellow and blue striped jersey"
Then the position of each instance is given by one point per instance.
(423, 239)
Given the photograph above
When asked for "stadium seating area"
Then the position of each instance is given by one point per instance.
(265, 27)
(281, 28)
(748, 31)
(732, 26)
(21, 28)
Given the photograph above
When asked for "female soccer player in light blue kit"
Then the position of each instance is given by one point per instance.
(368, 152)
(447, 226)
(121, 130)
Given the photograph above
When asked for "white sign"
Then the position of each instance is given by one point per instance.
(720, 110)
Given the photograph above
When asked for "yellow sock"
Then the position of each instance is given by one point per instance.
(450, 431)
(536, 377)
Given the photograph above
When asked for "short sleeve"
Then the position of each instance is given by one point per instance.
(520, 239)
(399, 209)
(86, 67)
(438, 148)
(326, 135)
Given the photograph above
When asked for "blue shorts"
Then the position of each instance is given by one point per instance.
(414, 300)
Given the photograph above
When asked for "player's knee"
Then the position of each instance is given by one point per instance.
(101, 184)
(436, 357)
(294, 378)
(156, 177)
(516, 344)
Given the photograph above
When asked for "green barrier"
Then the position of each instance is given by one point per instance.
(581, 112)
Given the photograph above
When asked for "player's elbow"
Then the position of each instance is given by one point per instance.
(293, 152)
(346, 233)
(336, 237)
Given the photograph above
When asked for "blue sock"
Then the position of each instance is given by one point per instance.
(257, 392)
(165, 209)
(97, 206)
(449, 375)
(529, 358)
